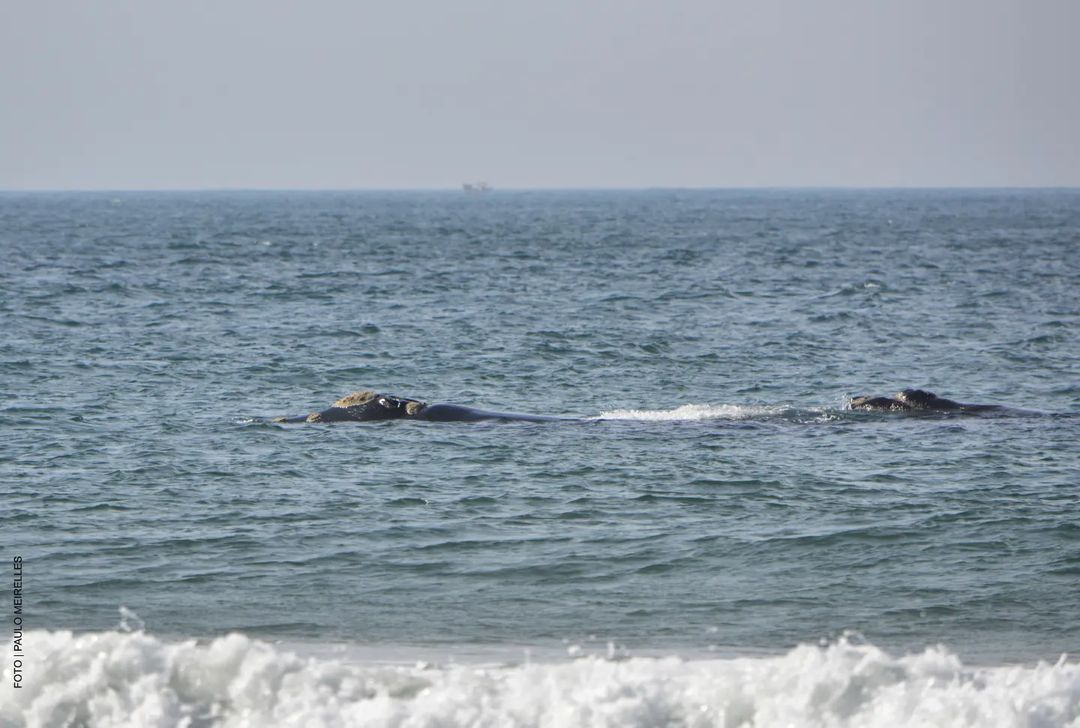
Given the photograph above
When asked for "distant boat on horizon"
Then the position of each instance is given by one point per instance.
(475, 187)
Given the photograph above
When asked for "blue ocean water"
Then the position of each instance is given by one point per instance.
(718, 502)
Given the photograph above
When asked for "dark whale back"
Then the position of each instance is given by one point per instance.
(459, 413)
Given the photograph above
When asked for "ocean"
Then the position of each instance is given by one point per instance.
(718, 540)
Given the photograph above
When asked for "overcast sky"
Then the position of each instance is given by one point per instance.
(136, 94)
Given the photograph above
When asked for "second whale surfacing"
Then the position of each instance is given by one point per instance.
(370, 406)
(918, 400)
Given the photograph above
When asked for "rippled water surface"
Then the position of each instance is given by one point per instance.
(725, 497)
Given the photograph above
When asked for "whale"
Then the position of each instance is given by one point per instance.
(371, 406)
(917, 400)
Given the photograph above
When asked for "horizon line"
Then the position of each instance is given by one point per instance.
(597, 188)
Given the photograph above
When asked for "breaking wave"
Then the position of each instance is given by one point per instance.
(115, 679)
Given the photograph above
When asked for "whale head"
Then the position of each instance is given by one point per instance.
(367, 406)
(921, 399)
(878, 403)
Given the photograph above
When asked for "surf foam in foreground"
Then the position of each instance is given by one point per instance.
(111, 679)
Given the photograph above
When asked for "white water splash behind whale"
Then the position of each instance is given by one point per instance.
(694, 412)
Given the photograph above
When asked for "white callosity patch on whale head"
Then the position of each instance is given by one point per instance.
(356, 398)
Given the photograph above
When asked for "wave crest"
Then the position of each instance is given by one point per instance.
(114, 679)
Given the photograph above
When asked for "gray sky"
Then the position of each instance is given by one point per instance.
(133, 94)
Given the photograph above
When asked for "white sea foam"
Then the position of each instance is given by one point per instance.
(113, 679)
(690, 412)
